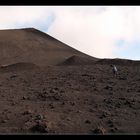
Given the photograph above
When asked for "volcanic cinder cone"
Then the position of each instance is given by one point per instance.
(33, 46)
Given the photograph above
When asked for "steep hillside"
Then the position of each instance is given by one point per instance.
(32, 45)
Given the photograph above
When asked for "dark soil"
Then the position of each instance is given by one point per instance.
(70, 100)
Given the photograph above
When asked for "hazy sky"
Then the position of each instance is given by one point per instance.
(100, 31)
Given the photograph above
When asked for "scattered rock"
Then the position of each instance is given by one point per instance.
(95, 89)
(128, 103)
(113, 129)
(68, 119)
(122, 98)
(133, 100)
(110, 93)
(91, 110)
(25, 98)
(13, 76)
(129, 90)
(27, 112)
(72, 103)
(138, 79)
(88, 122)
(85, 75)
(96, 106)
(118, 105)
(39, 117)
(111, 124)
(108, 87)
(3, 121)
(54, 90)
(108, 101)
(51, 105)
(39, 127)
(99, 130)
(123, 78)
(62, 91)
(63, 103)
(55, 97)
(44, 92)
(79, 111)
(13, 103)
(138, 90)
(104, 115)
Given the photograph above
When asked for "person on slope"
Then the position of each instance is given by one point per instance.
(114, 70)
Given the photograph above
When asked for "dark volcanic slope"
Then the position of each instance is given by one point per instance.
(78, 60)
(71, 100)
(18, 67)
(117, 61)
(73, 95)
(34, 46)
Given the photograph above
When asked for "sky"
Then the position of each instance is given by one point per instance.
(99, 31)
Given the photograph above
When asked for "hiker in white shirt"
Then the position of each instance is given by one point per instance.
(115, 71)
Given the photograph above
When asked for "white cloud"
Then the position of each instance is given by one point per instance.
(94, 30)
(13, 16)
